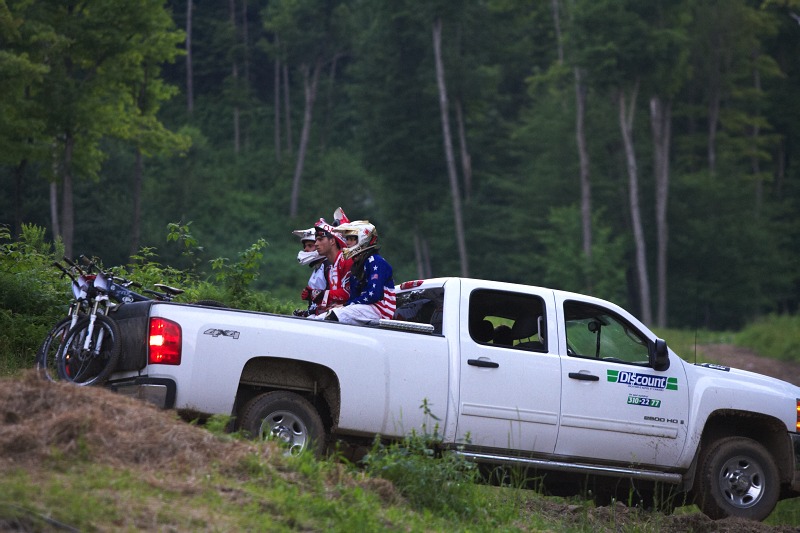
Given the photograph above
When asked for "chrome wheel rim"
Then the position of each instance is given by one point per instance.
(287, 429)
(741, 481)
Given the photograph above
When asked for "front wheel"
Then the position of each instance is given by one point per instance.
(286, 417)
(89, 357)
(737, 477)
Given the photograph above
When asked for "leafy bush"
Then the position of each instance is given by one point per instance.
(34, 295)
(441, 482)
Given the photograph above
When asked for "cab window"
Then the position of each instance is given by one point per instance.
(507, 319)
(598, 333)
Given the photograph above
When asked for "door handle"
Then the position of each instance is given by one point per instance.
(482, 363)
(583, 377)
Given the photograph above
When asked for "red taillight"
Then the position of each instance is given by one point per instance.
(411, 284)
(164, 342)
(797, 427)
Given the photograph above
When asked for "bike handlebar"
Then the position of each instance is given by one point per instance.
(123, 292)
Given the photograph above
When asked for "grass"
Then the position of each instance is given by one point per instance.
(86, 459)
(775, 336)
(303, 495)
(684, 342)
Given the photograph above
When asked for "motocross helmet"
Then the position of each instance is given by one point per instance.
(339, 217)
(304, 234)
(323, 229)
(365, 232)
(303, 257)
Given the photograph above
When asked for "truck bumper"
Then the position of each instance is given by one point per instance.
(795, 437)
(158, 391)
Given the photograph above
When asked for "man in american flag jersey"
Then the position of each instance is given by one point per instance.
(372, 293)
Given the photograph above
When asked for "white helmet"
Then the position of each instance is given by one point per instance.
(304, 234)
(303, 257)
(365, 232)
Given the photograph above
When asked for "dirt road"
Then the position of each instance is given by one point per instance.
(744, 359)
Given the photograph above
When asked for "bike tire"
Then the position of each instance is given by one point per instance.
(46, 356)
(90, 366)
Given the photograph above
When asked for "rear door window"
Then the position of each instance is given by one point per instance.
(423, 306)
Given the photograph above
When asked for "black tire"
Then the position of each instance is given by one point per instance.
(89, 366)
(46, 356)
(287, 418)
(737, 477)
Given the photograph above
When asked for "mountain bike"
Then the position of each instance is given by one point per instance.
(54, 340)
(83, 348)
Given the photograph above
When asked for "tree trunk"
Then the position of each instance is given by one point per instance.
(136, 226)
(310, 88)
(287, 114)
(448, 147)
(422, 256)
(780, 172)
(19, 185)
(67, 207)
(755, 161)
(245, 34)
(626, 126)
(661, 125)
(245, 44)
(557, 25)
(327, 110)
(713, 118)
(714, 89)
(54, 220)
(189, 67)
(426, 258)
(466, 159)
(586, 186)
(277, 106)
(235, 75)
(418, 255)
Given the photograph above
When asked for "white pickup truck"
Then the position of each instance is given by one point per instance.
(551, 381)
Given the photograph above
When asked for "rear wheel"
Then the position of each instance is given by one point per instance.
(737, 477)
(287, 418)
(89, 363)
(46, 362)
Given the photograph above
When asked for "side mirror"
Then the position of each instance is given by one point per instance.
(659, 355)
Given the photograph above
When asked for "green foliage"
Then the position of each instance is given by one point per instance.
(776, 336)
(375, 145)
(428, 478)
(34, 295)
(237, 277)
(177, 232)
(567, 267)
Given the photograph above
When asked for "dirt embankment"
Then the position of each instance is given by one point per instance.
(37, 418)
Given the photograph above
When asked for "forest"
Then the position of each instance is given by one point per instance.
(642, 152)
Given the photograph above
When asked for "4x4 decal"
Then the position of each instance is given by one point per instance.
(222, 333)
(642, 381)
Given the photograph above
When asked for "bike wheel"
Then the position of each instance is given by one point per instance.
(89, 362)
(46, 356)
